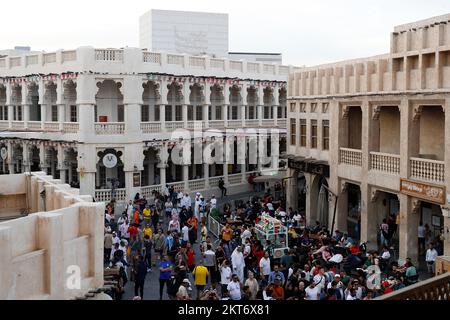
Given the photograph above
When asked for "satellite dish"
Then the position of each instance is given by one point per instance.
(373, 277)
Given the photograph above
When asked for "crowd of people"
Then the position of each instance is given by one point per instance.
(168, 234)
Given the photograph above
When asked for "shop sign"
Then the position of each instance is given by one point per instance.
(423, 191)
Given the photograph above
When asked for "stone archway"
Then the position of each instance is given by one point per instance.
(107, 178)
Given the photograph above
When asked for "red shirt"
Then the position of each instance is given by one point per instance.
(136, 217)
(190, 257)
(133, 231)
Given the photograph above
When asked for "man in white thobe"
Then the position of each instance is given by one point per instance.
(238, 262)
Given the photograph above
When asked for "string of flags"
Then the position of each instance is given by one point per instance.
(150, 76)
(212, 80)
(38, 77)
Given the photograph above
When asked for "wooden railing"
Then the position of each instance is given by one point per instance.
(385, 162)
(437, 288)
(427, 170)
(352, 157)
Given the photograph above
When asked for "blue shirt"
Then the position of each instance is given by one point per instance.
(165, 275)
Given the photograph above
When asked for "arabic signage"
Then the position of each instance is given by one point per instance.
(423, 191)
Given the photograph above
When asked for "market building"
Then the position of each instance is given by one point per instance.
(375, 131)
(101, 119)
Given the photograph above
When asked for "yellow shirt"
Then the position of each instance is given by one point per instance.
(148, 232)
(146, 213)
(200, 274)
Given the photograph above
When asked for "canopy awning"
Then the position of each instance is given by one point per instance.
(271, 178)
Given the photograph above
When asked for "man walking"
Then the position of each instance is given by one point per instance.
(222, 187)
(430, 258)
(165, 268)
(139, 277)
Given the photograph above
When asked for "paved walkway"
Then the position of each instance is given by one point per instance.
(151, 287)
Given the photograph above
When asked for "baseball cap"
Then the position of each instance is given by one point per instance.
(187, 281)
(317, 279)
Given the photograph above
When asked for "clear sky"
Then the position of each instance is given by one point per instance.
(306, 32)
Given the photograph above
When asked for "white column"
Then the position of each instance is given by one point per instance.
(162, 173)
(186, 177)
(243, 114)
(26, 161)
(61, 115)
(25, 105)
(225, 173)
(61, 163)
(225, 114)
(10, 115)
(260, 114)
(206, 115)
(275, 115)
(162, 116)
(185, 115)
(206, 175)
(132, 100)
(10, 157)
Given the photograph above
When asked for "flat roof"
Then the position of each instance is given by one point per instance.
(258, 53)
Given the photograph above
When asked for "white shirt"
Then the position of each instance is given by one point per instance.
(185, 232)
(130, 208)
(225, 275)
(386, 255)
(234, 288)
(431, 255)
(264, 264)
(213, 202)
(174, 225)
(246, 234)
(297, 217)
(115, 240)
(312, 293)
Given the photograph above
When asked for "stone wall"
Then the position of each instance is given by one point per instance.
(39, 252)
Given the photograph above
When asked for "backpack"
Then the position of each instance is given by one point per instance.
(172, 286)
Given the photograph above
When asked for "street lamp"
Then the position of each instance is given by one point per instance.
(335, 206)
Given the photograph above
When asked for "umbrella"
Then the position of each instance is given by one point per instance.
(322, 207)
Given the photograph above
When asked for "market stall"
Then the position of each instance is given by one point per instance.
(272, 229)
